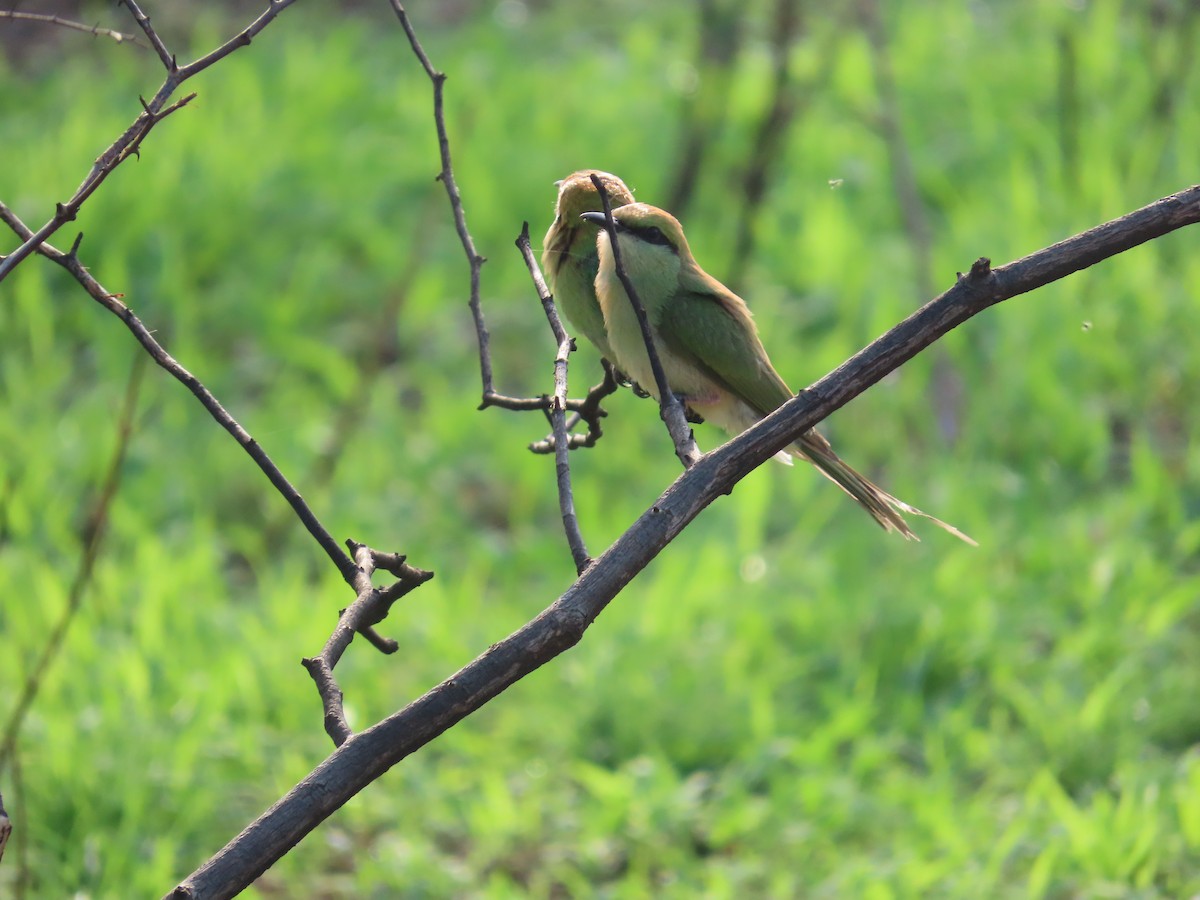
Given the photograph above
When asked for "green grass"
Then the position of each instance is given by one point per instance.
(787, 702)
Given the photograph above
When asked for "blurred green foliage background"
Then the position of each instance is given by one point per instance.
(788, 702)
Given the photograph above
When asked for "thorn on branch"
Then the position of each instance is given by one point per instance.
(981, 268)
(178, 104)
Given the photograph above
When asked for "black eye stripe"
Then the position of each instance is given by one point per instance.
(653, 235)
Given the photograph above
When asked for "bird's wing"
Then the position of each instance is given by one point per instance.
(711, 325)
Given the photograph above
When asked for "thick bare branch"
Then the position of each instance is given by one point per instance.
(366, 756)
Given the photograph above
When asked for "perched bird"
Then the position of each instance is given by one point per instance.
(569, 251)
(708, 345)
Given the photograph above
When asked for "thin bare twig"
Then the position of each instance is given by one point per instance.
(130, 141)
(670, 408)
(366, 756)
(119, 36)
(558, 409)
(167, 57)
(112, 302)
(93, 535)
(460, 219)
(586, 410)
(491, 397)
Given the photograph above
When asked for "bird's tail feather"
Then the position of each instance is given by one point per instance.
(883, 507)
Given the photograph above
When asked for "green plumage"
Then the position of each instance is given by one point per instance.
(569, 256)
(708, 345)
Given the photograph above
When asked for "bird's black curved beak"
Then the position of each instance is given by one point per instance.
(596, 218)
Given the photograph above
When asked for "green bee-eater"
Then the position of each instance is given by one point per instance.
(569, 252)
(708, 345)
